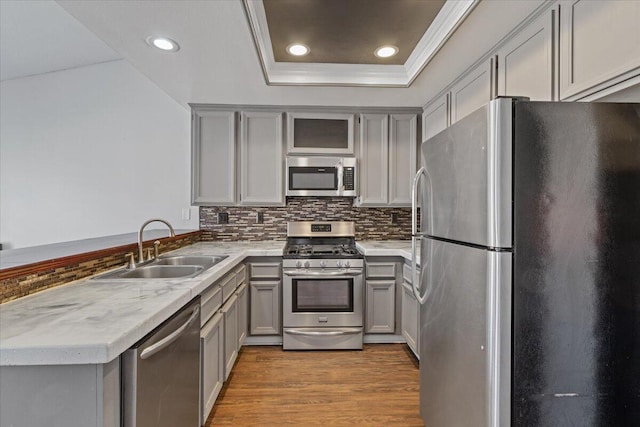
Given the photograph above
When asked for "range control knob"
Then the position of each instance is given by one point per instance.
(298, 264)
(323, 264)
(347, 264)
(306, 264)
(339, 264)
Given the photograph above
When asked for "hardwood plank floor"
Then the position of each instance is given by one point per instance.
(271, 387)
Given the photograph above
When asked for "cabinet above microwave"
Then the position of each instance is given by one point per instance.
(320, 133)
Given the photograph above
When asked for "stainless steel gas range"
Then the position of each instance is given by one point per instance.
(323, 289)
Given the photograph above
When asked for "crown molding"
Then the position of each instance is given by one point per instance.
(448, 19)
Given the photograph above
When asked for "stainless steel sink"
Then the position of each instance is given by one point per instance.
(167, 267)
(162, 272)
(203, 261)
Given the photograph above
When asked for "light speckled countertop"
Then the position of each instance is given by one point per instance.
(94, 321)
(388, 248)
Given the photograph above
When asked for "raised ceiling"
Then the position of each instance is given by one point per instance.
(348, 32)
(336, 24)
(218, 60)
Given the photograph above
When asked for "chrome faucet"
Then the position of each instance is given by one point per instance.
(140, 251)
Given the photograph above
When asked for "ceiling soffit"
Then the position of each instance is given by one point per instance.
(444, 24)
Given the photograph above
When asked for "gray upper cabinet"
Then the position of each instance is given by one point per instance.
(320, 133)
(435, 117)
(600, 46)
(402, 157)
(261, 159)
(387, 159)
(213, 162)
(473, 91)
(374, 159)
(527, 62)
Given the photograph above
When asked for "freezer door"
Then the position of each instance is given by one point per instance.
(465, 336)
(466, 195)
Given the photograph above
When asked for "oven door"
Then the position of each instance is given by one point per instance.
(322, 298)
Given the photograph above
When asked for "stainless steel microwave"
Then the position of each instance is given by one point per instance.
(322, 176)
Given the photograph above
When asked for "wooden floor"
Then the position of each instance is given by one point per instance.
(271, 387)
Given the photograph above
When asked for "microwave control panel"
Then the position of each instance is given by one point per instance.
(348, 179)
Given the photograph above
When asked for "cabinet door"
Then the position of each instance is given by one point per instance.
(265, 307)
(402, 157)
(600, 45)
(410, 318)
(242, 313)
(262, 163)
(213, 158)
(473, 91)
(435, 117)
(374, 159)
(527, 63)
(211, 364)
(320, 133)
(381, 303)
(230, 314)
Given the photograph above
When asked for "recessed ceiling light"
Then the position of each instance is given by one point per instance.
(163, 43)
(297, 49)
(386, 51)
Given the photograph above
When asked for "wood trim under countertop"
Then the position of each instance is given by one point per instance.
(23, 280)
(37, 267)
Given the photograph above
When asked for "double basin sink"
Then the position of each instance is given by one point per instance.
(167, 267)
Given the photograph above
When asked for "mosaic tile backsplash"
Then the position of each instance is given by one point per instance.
(371, 223)
(38, 277)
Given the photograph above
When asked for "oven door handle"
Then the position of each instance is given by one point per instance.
(332, 333)
(322, 273)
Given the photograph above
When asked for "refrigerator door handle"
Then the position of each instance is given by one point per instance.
(415, 277)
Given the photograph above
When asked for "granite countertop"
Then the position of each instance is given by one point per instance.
(94, 321)
(388, 248)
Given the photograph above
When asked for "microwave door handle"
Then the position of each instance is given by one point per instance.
(340, 172)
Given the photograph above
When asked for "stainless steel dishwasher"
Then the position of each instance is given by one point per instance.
(161, 374)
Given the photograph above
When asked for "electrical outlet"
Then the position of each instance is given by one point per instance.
(186, 214)
(259, 217)
(394, 217)
(223, 218)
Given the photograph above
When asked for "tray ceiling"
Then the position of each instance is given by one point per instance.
(343, 34)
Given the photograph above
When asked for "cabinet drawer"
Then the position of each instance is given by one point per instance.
(240, 274)
(228, 285)
(406, 273)
(381, 269)
(210, 302)
(265, 270)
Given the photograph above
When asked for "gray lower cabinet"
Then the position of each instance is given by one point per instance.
(380, 301)
(265, 289)
(211, 364)
(243, 314)
(265, 307)
(229, 313)
(60, 395)
(410, 313)
(381, 305)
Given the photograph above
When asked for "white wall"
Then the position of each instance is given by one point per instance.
(89, 152)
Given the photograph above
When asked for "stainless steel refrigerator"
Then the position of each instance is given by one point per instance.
(530, 254)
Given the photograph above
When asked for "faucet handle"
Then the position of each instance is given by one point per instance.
(149, 256)
(131, 260)
(156, 247)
